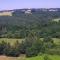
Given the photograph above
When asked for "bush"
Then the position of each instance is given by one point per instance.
(48, 42)
(2, 47)
(54, 51)
(46, 57)
(11, 51)
(30, 52)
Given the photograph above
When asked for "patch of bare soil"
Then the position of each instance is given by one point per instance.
(21, 57)
(7, 58)
(3, 58)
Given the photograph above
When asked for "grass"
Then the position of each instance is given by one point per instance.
(10, 40)
(57, 19)
(56, 41)
(52, 57)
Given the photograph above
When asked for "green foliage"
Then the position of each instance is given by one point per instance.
(55, 51)
(31, 27)
(33, 45)
(48, 42)
(19, 26)
(2, 47)
(32, 51)
(12, 52)
(46, 57)
(7, 49)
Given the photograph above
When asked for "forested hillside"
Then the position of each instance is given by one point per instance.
(19, 25)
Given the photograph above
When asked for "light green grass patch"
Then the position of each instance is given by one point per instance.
(52, 57)
(10, 40)
(57, 19)
(56, 41)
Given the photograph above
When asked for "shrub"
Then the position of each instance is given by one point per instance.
(46, 57)
(11, 51)
(2, 47)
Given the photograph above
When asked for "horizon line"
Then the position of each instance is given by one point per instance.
(28, 8)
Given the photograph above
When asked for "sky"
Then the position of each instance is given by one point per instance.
(18, 4)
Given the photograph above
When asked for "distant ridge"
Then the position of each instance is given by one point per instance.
(26, 10)
(31, 9)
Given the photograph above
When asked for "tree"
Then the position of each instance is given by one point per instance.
(32, 45)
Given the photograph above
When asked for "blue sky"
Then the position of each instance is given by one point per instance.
(17, 4)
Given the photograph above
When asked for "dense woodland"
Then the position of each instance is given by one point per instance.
(31, 27)
(19, 25)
